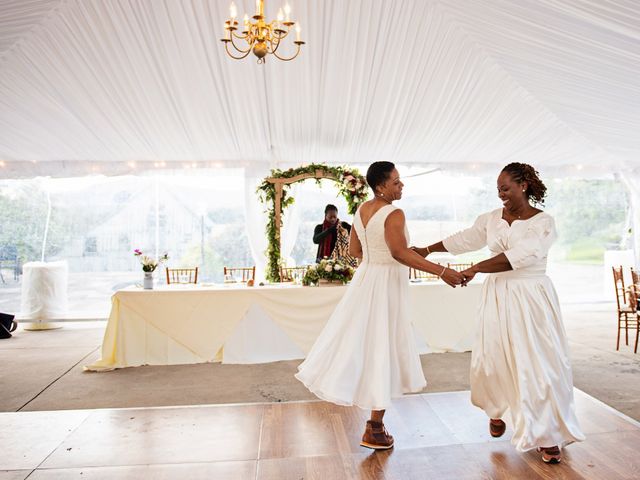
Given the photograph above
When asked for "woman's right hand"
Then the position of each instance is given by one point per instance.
(452, 277)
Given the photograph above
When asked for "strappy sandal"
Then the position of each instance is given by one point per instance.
(551, 454)
(497, 427)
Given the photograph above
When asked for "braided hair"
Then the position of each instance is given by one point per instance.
(522, 172)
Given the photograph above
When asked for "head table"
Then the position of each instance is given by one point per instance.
(178, 324)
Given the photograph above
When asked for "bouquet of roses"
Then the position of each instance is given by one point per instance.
(149, 264)
(328, 269)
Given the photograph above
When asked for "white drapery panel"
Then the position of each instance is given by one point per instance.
(631, 180)
(19, 17)
(110, 87)
(255, 218)
(290, 225)
(577, 58)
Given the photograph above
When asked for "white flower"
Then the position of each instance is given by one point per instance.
(337, 268)
(328, 268)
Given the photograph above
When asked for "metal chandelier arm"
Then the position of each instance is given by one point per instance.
(226, 47)
(239, 49)
(290, 58)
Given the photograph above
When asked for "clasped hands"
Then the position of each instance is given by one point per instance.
(450, 276)
(455, 278)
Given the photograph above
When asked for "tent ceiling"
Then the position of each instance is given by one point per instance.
(93, 85)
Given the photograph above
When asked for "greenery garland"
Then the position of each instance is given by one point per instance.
(352, 186)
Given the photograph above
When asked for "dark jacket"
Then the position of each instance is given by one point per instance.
(319, 235)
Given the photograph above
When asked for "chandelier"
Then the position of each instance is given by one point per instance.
(260, 37)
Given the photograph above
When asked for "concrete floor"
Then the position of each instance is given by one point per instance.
(43, 371)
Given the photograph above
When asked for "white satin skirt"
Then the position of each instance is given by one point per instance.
(520, 366)
(366, 354)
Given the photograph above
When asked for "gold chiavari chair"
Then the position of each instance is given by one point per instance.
(635, 278)
(626, 311)
(239, 274)
(415, 274)
(182, 275)
(458, 267)
(633, 303)
(289, 274)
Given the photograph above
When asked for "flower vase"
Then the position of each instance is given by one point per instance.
(323, 282)
(147, 284)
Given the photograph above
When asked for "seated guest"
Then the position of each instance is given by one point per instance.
(325, 234)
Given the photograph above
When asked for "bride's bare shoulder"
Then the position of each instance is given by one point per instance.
(397, 213)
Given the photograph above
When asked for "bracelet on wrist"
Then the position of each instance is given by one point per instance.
(428, 251)
(442, 272)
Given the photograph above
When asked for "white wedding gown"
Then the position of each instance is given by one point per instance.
(520, 364)
(366, 354)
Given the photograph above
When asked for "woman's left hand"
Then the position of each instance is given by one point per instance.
(468, 275)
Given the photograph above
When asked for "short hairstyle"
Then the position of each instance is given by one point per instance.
(522, 172)
(330, 208)
(378, 173)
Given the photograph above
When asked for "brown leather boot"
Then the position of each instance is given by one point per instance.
(496, 427)
(376, 436)
(551, 454)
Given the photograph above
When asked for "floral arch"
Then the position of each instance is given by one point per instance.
(274, 191)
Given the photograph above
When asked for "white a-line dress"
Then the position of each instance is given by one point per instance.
(366, 354)
(520, 363)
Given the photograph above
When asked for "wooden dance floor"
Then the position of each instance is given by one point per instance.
(438, 436)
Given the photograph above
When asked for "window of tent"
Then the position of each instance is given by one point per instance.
(199, 218)
(97, 221)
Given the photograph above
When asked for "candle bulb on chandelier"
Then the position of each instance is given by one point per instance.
(280, 15)
(298, 32)
(287, 11)
(257, 7)
(233, 12)
(246, 19)
(227, 32)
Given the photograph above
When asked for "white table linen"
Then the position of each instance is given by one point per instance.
(236, 324)
(44, 291)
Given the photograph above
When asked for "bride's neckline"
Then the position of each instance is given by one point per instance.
(518, 219)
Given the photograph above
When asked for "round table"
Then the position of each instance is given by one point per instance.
(44, 293)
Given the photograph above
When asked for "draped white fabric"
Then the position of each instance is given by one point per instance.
(256, 219)
(93, 86)
(632, 183)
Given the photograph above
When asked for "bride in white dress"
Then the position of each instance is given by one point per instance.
(520, 366)
(366, 354)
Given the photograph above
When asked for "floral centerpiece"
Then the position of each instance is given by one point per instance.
(330, 270)
(149, 264)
